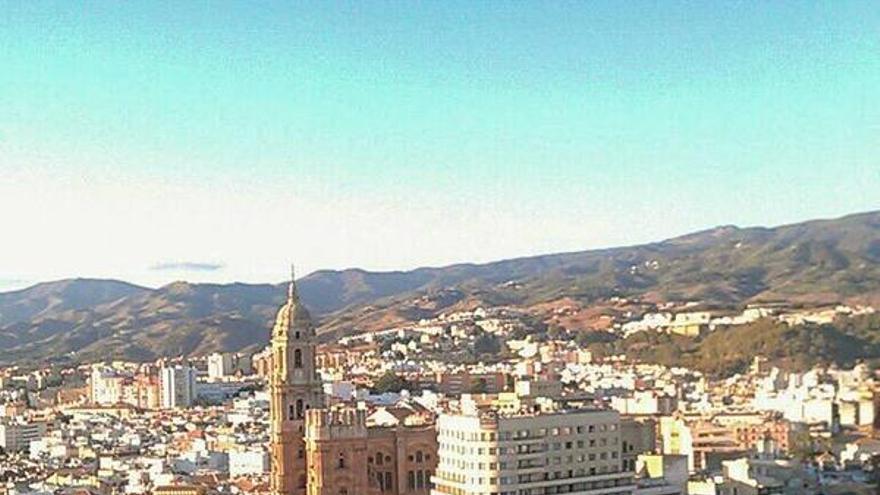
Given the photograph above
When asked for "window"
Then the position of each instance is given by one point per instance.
(297, 358)
(419, 457)
(411, 480)
(299, 408)
(341, 461)
(388, 485)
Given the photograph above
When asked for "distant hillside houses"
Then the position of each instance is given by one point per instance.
(693, 324)
(499, 320)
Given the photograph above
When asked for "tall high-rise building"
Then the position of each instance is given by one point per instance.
(529, 453)
(219, 365)
(178, 386)
(294, 388)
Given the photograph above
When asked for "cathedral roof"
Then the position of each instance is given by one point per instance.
(293, 315)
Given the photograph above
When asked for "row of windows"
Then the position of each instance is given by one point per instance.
(537, 433)
(528, 477)
(381, 459)
(384, 481)
(297, 410)
(420, 457)
(525, 449)
(548, 490)
(416, 480)
(419, 479)
(526, 463)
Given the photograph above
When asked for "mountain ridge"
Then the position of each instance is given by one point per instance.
(817, 261)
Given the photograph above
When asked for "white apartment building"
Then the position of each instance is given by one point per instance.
(178, 387)
(248, 463)
(567, 451)
(644, 402)
(220, 365)
(105, 386)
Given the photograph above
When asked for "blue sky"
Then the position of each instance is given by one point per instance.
(218, 140)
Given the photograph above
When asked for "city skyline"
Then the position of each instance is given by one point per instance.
(158, 143)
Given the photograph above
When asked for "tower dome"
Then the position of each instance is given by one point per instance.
(293, 316)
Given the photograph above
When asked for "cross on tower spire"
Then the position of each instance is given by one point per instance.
(291, 288)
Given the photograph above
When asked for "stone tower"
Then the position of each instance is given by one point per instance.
(336, 448)
(294, 388)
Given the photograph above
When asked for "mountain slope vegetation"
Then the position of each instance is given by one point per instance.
(815, 262)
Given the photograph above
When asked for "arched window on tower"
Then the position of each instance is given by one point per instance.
(297, 358)
(299, 409)
(341, 462)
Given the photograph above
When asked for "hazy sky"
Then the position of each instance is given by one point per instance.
(155, 141)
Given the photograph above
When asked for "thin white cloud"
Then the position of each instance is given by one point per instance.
(187, 266)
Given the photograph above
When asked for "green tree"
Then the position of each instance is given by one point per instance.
(390, 382)
(556, 332)
(479, 386)
(802, 447)
(487, 343)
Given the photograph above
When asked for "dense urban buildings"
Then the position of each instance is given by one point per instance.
(405, 411)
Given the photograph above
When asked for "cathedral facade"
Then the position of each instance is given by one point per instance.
(319, 450)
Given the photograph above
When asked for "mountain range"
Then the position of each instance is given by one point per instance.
(815, 262)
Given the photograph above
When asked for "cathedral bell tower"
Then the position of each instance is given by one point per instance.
(294, 387)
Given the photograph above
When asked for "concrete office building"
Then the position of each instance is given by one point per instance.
(530, 453)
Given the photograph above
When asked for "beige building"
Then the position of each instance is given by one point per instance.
(564, 451)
